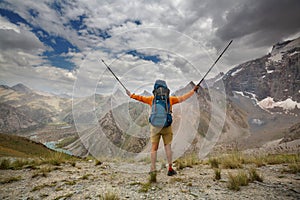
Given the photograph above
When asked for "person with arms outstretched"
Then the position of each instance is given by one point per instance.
(161, 119)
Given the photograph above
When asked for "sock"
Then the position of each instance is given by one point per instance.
(170, 167)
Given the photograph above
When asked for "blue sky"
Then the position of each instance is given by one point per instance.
(47, 45)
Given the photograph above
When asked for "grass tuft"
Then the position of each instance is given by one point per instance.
(217, 173)
(187, 161)
(145, 187)
(109, 196)
(11, 179)
(235, 181)
(233, 161)
(5, 164)
(214, 162)
(152, 177)
(293, 168)
(254, 176)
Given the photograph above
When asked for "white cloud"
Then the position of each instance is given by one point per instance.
(183, 33)
(5, 25)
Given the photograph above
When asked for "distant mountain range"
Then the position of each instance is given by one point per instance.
(262, 105)
(22, 109)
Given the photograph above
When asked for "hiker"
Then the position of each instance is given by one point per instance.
(161, 129)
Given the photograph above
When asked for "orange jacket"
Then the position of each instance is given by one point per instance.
(173, 99)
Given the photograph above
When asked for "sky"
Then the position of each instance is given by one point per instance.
(57, 46)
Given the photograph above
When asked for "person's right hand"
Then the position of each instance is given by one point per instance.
(196, 88)
(128, 93)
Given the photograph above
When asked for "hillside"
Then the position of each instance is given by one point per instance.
(16, 146)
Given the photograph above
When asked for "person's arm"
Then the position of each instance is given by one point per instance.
(184, 97)
(144, 99)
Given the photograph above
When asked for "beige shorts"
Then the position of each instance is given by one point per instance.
(166, 133)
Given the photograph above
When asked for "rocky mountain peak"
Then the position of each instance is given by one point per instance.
(146, 93)
(21, 88)
(285, 46)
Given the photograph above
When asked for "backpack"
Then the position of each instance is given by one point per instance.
(160, 112)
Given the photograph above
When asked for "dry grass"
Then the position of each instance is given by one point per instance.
(237, 160)
(5, 164)
(293, 168)
(18, 164)
(217, 173)
(152, 177)
(254, 176)
(187, 161)
(214, 162)
(232, 161)
(243, 179)
(145, 187)
(11, 179)
(235, 181)
(109, 196)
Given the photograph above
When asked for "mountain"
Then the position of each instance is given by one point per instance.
(23, 109)
(272, 80)
(21, 88)
(267, 91)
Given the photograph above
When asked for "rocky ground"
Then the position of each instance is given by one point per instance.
(85, 180)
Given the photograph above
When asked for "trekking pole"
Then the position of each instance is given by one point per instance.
(114, 75)
(214, 63)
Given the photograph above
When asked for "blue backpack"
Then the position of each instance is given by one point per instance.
(160, 112)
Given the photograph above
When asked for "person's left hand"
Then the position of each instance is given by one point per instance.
(196, 88)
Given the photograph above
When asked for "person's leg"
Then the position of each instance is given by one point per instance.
(167, 138)
(153, 156)
(168, 151)
(155, 138)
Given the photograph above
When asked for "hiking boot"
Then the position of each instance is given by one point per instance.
(152, 177)
(171, 172)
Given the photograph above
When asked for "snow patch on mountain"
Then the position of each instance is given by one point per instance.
(258, 122)
(287, 104)
(276, 57)
(237, 71)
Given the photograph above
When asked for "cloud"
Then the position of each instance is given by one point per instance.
(186, 36)
(264, 22)
(14, 37)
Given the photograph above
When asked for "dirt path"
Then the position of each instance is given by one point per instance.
(87, 181)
